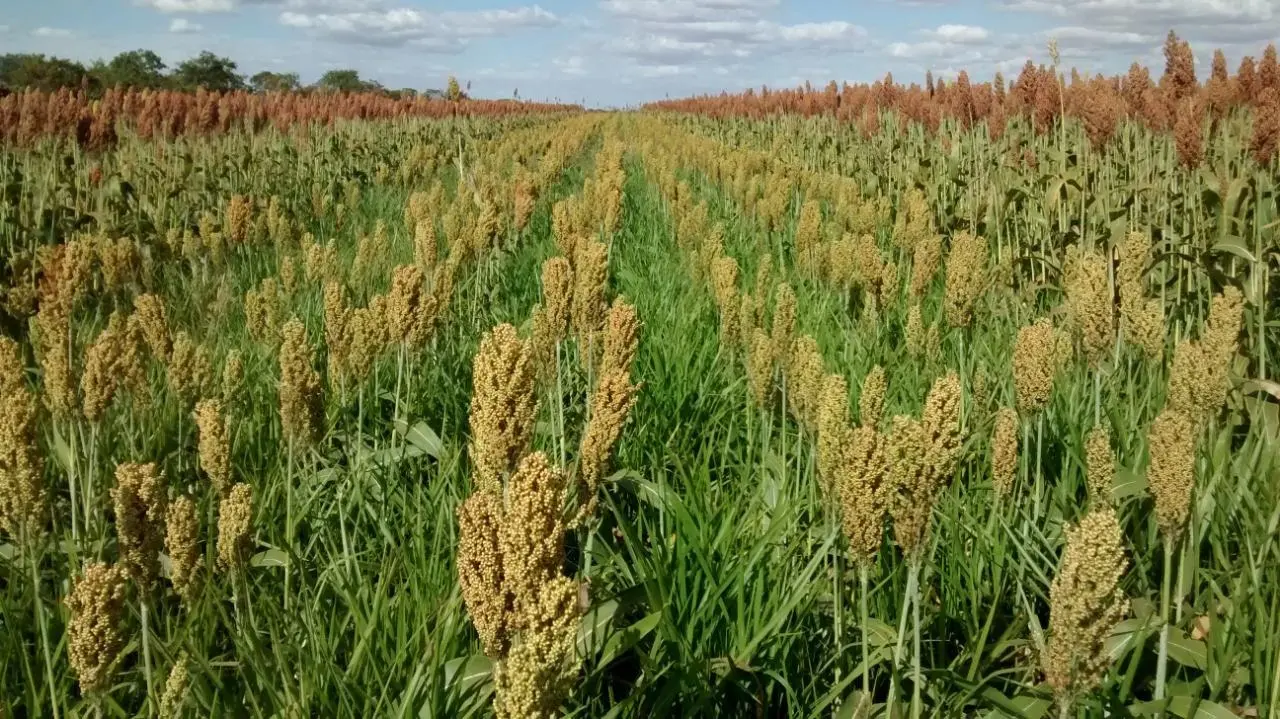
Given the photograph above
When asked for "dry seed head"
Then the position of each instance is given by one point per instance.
(235, 524)
(321, 261)
(914, 222)
(239, 215)
(53, 335)
(864, 492)
(557, 295)
(190, 371)
(337, 329)
(264, 309)
(808, 239)
(804, 380)
(724, 282)
(1089, 302)
(175, 689)
(1133, 254)
(760, 366)
(911, 493)
(621, 338)
(1004, 451)
(531, 534)
(289, 275)
(100, 380)
(22, 495)
(150, 314)
(1143, 324)
(871, 401)
(611, 404)
(1172, 473)
(924, 263)
(591, 267)
(1100, 464)
(425, 252)
(1037, 356)
(301, 397)
(784, 321)
(94, 639)
(746, 319)
(140, 504)
(480, 570)
(404, 303)
(1220, 342)
(915, 332)
(888, 284)
(833, 431)
(966, 277)
(182, 544)
(1085, 605)
(764, 278)
(214, 444)
(502, 405)
(232, 377)
(535, 678)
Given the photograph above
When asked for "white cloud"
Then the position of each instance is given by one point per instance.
(959, 33)
(572, 65)
(1221, 21)
(4, 29)
(183, 25)
(51, 32)
(191, 6)
(444, 31)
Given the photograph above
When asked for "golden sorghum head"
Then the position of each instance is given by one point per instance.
(523, 202)
(808, 237)
(1085, 605)
(119, 260)
(101, 376)
(502, 405)
(337, 330)
(1143, 324)
(804, 380)
(214, 444)
(833, 430)
(889, 289)
(190, 371)
(864, 492)
(425, 251)
(746, 319)
(941, 420)
(871, 401)
(1171, 475)
(289, 275)
(621, 337)
(480, 570)
(915, 332)
(784, 321)
(764, 278)
(724, 281)
(531, 534)
(966, 277)
(611, 404)
(232, 377)
(239, 215)
(1219, 343)
(235, 524)
(590, 271)
(321, 261)
(557, 294)
(922, 456)
(1037, 357)
(1004, 451)
(22, 496)
(150, 314)
(1100, 465)
(404, 303)
(140, 504)
(760, 366)
(263, 310)
(1089, 302)
(924, 263)
(1133, 254)
(53, 325)
(182, 543)
(535, 678)
(175, 689)
(301, 397)
(94, 639)
(914, 222)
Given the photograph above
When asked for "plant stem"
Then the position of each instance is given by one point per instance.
(917, 679)
(1162, 663)
(146, 651)
(908, 597)
(44, 632)
(862, 606)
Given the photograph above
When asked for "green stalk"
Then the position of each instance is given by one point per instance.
(44, 631)
(146, 651)
(909, 596)
(1162, 662)
(866, 652)
(917, 679)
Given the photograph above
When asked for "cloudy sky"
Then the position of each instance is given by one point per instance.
(619, 52)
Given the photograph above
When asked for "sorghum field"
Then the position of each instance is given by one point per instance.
(953, 400)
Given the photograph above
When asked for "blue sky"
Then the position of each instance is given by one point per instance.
(620, 52)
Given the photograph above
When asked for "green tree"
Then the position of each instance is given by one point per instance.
(134, 68)
(21, 71)
(454, 93)
(342, 81)
(210, 72)
(275, 82)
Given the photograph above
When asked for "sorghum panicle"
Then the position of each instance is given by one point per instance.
(94, 637)
(502, 405)
(140, 506)
(182, 544)
(235, 525)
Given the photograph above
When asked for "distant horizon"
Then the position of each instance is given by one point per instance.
(615, 54)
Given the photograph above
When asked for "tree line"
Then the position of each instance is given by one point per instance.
(143, 69)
